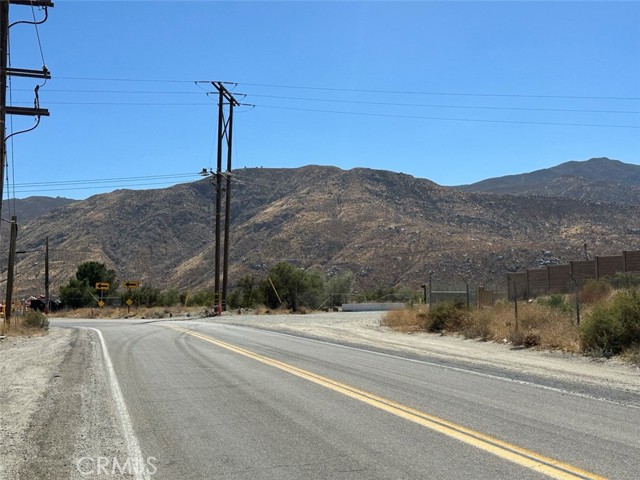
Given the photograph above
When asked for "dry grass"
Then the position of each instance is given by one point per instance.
(134, 312)
(407, 320)
(17, 329)
(263, 310)
(632, 355)
(548, 327)
(538, 326)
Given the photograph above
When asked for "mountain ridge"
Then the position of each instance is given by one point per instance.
(387, 228)
(597, 179)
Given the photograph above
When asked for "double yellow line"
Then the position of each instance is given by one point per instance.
(518, 455)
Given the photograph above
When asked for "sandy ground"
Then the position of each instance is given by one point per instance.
(55, 406)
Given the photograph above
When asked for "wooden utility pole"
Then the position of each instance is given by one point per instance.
(5, 72)
(47, 299)
(4, 55)
(225, 131)
(227, 212)
(12, 260)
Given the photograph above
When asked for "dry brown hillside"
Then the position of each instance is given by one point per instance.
(387, 228)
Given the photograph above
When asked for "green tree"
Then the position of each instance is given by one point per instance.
(76, 294)
(80, 291)
(169, 298)
(293, 285)
(145, 296)
(246, 293)
(339, 286)
(96, 272)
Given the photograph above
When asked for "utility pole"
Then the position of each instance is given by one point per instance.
(5, 72)
(12, 259)
(225, 131)
(46, 276)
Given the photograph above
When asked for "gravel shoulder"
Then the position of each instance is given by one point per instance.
(56, 406)
(364, 329)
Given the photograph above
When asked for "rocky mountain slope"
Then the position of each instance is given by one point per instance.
(387, 228)
(596, 180)
(32, 207)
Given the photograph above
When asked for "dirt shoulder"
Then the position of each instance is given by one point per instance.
(56, 405)
(364, 328)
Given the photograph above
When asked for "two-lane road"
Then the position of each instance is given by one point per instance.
(216, 401)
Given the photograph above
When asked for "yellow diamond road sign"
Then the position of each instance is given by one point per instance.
(129, 302)
(101, 304)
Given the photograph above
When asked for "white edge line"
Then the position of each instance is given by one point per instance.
(139, 469)
(446, 367)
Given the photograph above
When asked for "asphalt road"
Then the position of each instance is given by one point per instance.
(200, 400)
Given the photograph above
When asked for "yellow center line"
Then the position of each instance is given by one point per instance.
(508, 451)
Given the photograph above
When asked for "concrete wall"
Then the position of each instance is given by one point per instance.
(371, 307)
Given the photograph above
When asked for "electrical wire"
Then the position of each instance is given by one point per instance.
(114, 179)
(356, 90)
(161, 92)
(455, 94)
(135, 80)
(102, 183)
(354, 102)
(342, 112)
(137, 104)
(95, 186)
(13, 169)
(395, 104)
(35, 24)
(475, 120)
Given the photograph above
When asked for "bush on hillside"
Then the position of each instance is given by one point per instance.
(625, 280)
(35, 319)
(446, 316)
(555, 300)
(595, 291)
(614, 326)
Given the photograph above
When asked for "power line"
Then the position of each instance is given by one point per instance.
(89, 184)
(35, 24)
(476, 120)
(115, 179)
(358, 90)
(327, 100)
(136, 80)
(73, 90)
(95, 186)
(463, 94)
(364, 102)
(138, 104)
(342, 112)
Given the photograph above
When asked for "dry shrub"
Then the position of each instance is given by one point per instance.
(632, 355)
(614, 326)
(446, 316)
(493, 323)
(406, 320)
(34, 326)
(595, 291)
(548, 327)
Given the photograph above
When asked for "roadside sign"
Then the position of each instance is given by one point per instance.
(132, 284)
(129, 302)
(102, 286)
(101, 304)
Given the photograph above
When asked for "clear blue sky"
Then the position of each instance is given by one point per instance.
(454, 92)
